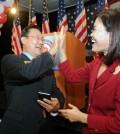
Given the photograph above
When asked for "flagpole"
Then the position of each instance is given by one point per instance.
(16, 31)
(17, 7)
(30, 6)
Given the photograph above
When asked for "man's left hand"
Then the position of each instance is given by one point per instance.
(50, 105)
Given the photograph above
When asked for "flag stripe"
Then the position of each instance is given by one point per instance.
(64, 23)
(82, 33)
(81, 23)
(62, 16)
(85, 39)
(32, 16)
(106, 4)
(17, 52)
(45, 27)
(16, 30)
(45, 22)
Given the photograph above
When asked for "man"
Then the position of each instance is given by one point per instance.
(25, 76)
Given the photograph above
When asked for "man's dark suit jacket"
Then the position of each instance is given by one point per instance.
(23, 80)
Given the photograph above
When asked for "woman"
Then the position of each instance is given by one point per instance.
(103, 74)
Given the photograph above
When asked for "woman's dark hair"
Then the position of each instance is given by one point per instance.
(111, 20)
(26, 31)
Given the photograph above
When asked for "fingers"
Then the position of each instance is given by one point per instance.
(42, 103)
(54, 46)
(47, 101)
(50, 105)
(59, 39)
(54, 99)
(62, 42)
(71, 106)
(45, 105)
(55, 33)
(61, 31)
(62, 36)
(55, 38)
(64, 113)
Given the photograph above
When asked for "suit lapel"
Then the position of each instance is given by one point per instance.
(25, 58)
(106, 75)
(94, 74)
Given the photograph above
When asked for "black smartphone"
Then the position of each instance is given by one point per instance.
(42, 95)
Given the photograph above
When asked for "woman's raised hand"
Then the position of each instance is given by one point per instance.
(59, 45)
(62, 45)
(54, 47)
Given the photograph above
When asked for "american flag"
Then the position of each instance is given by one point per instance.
(16, 30)
(45, 23)
(102, 4)
(71, 15)
(91, 11)
(62, 16)
(32, 16)
(106, 4)
(80, 22)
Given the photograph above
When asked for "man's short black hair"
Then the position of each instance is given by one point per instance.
(26, 30)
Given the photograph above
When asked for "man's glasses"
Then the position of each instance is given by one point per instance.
(38, 38)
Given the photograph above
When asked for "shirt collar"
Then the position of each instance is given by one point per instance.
(28, 55)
